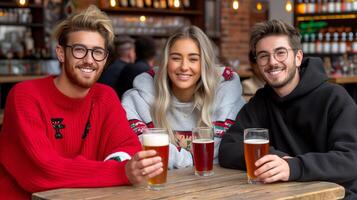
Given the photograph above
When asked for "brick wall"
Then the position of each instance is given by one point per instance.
(235, 29)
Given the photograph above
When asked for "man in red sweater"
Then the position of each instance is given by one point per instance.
(68, 130)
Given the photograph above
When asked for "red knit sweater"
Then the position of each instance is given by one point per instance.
(32, 159)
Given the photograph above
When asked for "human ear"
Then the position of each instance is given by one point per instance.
(298, 57)
(60, 53)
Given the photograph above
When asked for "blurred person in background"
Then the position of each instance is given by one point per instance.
(145, 48)
(125, 50)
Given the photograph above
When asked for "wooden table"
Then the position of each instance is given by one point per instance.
(225, 184)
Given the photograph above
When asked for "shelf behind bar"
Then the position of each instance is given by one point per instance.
(343, 79)
(14, 78)
(151, 11)
(326, 17)
(14, 5)
(39, 25)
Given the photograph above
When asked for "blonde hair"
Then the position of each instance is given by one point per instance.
(90, 19)
(204, 93)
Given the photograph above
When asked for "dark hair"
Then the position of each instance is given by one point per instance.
(274, 27)
(123, 44)
(145, 48)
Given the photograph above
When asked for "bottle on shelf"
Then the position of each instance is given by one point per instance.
(124, 3)
(186, 3)
(327, 43)
(29, 43)
(305, 43)
(156, 4)
(318, 43)
(349, 42)
(163, 4)
(312, 45)
(354, 45)
(338, 6)
(324, 6)
(331, 6)
(132, 3)
(148, 3)
(311, 7)
(140, 3)
(354, 6)
(342, 43)
(318, 6)
(301, 7)
(334, 43)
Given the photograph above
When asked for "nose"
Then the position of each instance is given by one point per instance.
(272, 61)
(88, 58)
(185, 64)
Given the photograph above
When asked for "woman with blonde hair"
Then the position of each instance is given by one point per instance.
(186, 91)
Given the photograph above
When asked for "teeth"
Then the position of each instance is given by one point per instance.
(184, 75)
(275, 71)
(86, 70)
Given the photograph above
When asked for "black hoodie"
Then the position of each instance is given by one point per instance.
(316, 124)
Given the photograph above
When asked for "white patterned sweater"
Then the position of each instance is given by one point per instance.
(182, 116)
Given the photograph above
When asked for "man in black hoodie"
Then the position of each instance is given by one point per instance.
(312, 123)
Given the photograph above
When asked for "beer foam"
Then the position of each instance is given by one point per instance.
(256, 141)
(202, 141)
(150, 139)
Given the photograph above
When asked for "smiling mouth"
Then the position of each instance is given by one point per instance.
(183, 76)
(86, 69)
(274, 71)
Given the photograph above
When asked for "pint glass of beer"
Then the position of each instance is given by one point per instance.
(256, 145)
(203, 148)
(157, 139)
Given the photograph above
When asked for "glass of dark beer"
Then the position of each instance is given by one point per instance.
(203, 148)
(157, 139)
(256, 145)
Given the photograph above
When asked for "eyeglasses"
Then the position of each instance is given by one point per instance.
(280, 55)
(80, 51)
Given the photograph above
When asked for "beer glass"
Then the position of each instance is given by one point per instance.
(256, 145)
(157, 139)
(203, 148)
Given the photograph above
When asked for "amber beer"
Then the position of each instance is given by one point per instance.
(158, 140)
(203, 148)
(256, 145)
(203, 155)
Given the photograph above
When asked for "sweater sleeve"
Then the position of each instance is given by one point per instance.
(231, 151)
(29, 157)
(118, 139)
(228, 102)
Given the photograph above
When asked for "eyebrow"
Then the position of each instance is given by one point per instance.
(178, 54)
(278, 48)
(95, 47)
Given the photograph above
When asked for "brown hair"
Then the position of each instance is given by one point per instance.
(90, 19)
(274, 27)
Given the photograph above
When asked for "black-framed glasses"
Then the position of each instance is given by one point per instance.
(80, 51)
(280, 55)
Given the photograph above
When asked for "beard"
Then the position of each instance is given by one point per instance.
(75, 78)
(290, 76)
